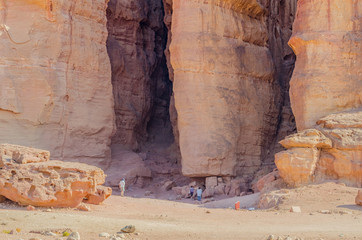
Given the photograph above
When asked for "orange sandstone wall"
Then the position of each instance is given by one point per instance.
(327, 76)
(326, 94)
(223, 86)
(55, 75)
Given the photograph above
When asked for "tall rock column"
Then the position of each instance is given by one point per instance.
(223, 77)
(326, 94)
(56, 90)
(327, 76)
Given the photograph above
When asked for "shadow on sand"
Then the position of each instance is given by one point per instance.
(351, 207)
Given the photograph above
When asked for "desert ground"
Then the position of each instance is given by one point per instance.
(328, 211)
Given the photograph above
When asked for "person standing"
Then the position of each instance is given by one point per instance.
(199, 194)
(192, 192)
(122, 185)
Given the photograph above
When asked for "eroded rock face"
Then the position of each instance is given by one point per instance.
(135, 45)
(55, 76)
(53, 183)
(13, 153)
(327, 77)
(359, 198)
(223, 76)
(334, 151)
(325, 95)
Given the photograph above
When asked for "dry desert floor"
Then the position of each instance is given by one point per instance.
(327, 212)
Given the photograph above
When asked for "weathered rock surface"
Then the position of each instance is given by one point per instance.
(327, 77)
(52, 183)
(331, 152)
(359, 198)
(139, 76)
(128, 165)
(325, 91)
(55, 76)
(222, 86)
(13, 153)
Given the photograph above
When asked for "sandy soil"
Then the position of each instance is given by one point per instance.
(163, 219)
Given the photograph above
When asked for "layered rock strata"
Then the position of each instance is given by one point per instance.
(50, 183)
(334, 151)
(325, 95)
(55, 76)
(135, 45)
(223, 86)
(327, 77)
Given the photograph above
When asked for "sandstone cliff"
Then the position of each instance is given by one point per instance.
(327, 76)
(55, 76)
(326, 93)
(223, 77)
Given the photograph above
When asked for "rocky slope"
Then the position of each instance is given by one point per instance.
(55, 76)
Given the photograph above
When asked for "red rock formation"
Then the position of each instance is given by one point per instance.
(50, 183)
(333, 152)
(326, 40)
(327, 77)
(55, 76)
(223, 77)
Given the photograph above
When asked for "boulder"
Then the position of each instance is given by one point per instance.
(333, 151)
(307, 139)
(51, 183)
(210, 182)
(101, 194)
(296, 166)
(267, 179)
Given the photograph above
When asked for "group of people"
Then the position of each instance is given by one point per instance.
(198, 193)
(193, 193)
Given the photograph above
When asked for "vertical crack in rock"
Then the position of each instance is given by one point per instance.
(141, 87)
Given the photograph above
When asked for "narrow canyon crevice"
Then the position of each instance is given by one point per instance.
(136, 43)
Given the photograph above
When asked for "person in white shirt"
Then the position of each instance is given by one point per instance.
(199, 194)
(122, 185)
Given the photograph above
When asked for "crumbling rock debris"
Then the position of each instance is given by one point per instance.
(51, 183)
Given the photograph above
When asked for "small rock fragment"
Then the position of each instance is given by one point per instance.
(295, 209)
(30, 208)
(271, 237)
(129, 229)
(325, 211)
(104, 234)
(49, 233)
(74, 236)
(83, 207)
